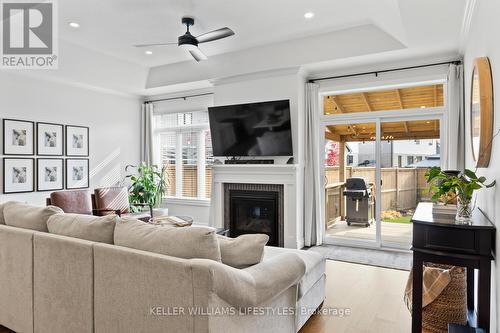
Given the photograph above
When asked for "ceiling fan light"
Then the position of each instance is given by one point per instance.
(188, 47)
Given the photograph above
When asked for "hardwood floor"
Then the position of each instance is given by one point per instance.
(374, 296)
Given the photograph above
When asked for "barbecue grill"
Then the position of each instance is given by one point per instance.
(360, 201)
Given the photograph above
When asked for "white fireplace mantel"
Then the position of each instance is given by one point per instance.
(287, 175)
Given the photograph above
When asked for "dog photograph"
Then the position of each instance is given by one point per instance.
(78, 141)
(19, 137)
(50, 139)
(19, 175)
(50, 174)
(77, 173)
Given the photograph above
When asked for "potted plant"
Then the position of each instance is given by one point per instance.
(448, 186)
(147, 186)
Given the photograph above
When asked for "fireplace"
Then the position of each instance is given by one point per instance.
(254, 208)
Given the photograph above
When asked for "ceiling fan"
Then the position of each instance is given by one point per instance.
(190, 42)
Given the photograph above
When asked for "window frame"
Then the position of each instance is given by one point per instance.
(179, 131)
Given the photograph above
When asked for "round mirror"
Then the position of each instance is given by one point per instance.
(481, 112)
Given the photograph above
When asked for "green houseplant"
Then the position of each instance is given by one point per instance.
(147, 185)
(447, 186)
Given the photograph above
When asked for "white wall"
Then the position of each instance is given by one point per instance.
(483, 41)
(113, 121)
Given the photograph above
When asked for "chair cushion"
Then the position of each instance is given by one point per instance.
(115, 198)
(77, 201)
(315, 265)
(187, 242)
(242, 251)
(88, 227)
(25, 216)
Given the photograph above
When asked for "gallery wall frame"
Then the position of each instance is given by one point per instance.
(77, 173)
(18, 137)
(18, 175)
(77, 141)
(50, 139)
(50, 174)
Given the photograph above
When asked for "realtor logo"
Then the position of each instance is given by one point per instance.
(29, 39)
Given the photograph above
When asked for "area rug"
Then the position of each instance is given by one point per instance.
(373, 257)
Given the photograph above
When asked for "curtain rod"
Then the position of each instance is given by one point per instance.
(454, 62)
(180, 97)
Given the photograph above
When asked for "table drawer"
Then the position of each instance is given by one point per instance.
(447, 239)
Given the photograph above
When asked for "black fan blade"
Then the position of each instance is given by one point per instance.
(214, 35)
(155, 44)
(198, 55)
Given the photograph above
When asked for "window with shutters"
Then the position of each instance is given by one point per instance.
(184, 145)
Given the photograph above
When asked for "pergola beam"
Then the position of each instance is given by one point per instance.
(337, 105)
(401, 106)
(365, 99)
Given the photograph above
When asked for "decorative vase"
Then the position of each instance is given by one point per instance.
(464, 209)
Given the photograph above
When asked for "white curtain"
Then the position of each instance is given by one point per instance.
(147, 133)
(313, 208)
(453, 149)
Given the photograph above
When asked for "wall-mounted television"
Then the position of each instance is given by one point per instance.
(255, 129)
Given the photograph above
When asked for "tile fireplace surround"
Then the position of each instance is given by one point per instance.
(289, 176)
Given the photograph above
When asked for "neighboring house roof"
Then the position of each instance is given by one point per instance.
(428, 162)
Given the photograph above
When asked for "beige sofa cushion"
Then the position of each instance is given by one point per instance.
(2, 220)
(88, 227)
(26, 216)
(242, 251)
(187, 242)
(314, 263)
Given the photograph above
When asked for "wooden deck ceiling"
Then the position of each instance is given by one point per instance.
(384, 100)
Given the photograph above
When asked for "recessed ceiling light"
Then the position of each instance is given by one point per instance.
(74, 25)
(149, 52)
(422, 107)
(309, 15)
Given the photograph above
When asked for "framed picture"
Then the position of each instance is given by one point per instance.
(77, 141)
(18, 175)
(18, 137)
(77, 173)
(50, 140)
(50, 174)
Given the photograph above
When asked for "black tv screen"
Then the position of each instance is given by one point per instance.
(256, 129)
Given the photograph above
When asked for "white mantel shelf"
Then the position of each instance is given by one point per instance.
(288, 175)
(255, 173)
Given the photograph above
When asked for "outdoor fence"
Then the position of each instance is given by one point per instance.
(402, 188)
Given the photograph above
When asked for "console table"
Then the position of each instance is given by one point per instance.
(440, 239)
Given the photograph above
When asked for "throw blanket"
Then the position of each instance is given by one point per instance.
(434, 281)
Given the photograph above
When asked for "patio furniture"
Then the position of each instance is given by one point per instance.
(360, 201)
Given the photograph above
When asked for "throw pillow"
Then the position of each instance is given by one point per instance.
(242, 251)
(88, 227)
(182, 242)
(26, 216)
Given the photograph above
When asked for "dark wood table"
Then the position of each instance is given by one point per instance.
(440, 239)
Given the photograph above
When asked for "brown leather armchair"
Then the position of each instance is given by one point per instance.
(116, 198)
(76, 202)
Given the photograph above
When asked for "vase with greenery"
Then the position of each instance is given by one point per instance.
(447, 186)
(147, 185)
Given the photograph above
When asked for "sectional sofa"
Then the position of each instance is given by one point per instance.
(75, 273)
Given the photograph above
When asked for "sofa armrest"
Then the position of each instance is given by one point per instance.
(259, 283)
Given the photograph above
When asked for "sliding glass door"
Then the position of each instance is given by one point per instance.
(350, 178)
(378, 145)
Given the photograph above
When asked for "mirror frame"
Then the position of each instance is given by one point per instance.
(483, 69)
